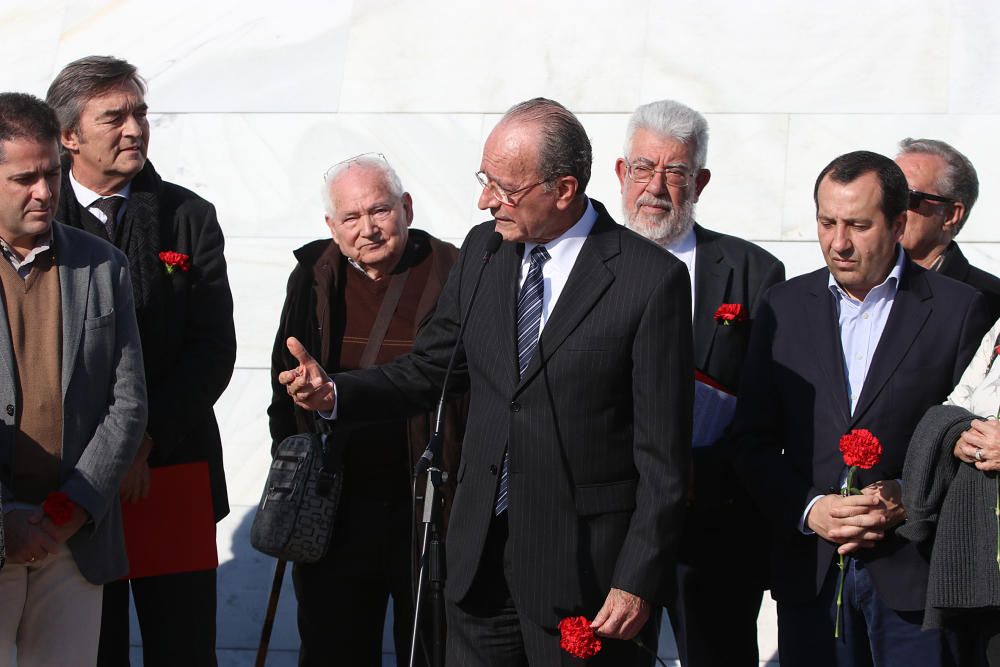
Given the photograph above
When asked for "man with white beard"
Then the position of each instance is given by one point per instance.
(719, 577)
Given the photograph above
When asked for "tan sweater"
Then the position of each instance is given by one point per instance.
(34, 315)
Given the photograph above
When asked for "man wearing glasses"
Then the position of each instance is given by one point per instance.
(716, 583)
(943, 188)
(577, 353)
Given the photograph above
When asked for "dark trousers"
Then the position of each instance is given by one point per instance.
(342, 598)
(717, 587)
(176, 618)
(486, 629)
(872, 634)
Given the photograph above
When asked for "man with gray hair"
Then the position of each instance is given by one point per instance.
(337, 294)
(716, 582)
(944, 187)
(174, 246)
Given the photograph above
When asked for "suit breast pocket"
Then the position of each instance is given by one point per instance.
(594, 343)
(106, 320)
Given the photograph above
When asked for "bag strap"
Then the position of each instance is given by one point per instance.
(385, 313)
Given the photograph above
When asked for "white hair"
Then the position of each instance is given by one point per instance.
(667, 118)
(389, 175)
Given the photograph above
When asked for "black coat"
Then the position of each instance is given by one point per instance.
(956, 266)
(185, 318)
(794, 407)
(598, 428)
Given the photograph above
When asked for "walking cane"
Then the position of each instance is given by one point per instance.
(272, 607)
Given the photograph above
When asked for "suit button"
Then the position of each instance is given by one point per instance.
(493, 470)
(515, 406)
(10, 410)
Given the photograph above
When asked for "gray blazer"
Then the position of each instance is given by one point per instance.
(104, 395)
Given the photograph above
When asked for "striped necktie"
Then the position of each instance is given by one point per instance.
(529, 317)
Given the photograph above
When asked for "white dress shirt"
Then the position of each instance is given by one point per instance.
(686, 249)
(88, 197)
(563, 251)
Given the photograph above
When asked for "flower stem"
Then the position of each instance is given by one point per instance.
(840, 578)
(638, 642)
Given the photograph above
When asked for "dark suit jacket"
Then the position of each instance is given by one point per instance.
(598, 428)
(726, 270)
(956, 266)
(104, 395)
(794, 408)
(185, 318)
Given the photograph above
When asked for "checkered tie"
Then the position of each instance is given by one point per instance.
(529, 316)
(109, 207)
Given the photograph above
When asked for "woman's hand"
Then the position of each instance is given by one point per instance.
(980, 445)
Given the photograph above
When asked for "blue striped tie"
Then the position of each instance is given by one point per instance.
(529, 316)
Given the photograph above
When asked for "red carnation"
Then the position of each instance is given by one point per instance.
(175, 260)
(58, 507)
(577, 637)
(860, 448)
(729, 313)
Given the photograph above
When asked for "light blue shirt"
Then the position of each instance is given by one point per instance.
(861, 324)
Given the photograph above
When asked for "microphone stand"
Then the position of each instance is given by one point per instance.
(432, 561)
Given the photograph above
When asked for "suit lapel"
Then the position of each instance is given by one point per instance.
(587, 281)
(712, 276)
(819, 312)
(508, 264)
(74, 287)
(909, 313)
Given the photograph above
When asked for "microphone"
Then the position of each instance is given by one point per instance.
(427, 458)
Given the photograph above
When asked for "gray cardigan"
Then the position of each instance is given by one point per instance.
(950, 509)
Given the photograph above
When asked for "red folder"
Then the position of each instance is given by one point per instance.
(173, 529)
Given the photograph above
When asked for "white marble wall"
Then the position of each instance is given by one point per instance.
(251, 100)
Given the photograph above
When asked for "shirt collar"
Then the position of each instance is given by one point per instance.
(890, 283)
(87, 197)
(684, 244)
(561, 245)
(43, 243)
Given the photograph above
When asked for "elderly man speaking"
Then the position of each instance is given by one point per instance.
(577, 354)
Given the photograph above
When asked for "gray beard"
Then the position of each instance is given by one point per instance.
(664, 232)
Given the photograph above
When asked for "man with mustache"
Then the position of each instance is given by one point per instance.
(72, 382)
(185, 312)
(716, 582)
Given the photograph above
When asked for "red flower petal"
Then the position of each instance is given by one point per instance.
(58, 507)
(731, 312)
(577, 637)
(860, 448)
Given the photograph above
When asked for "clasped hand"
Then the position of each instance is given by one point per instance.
(308, 384)
(856, 522)
(983, 436)
(31, 535)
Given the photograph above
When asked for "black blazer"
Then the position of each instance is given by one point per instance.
(794, 407)
(727, 269)
(185, 317)
(598, 428)
(956, 266)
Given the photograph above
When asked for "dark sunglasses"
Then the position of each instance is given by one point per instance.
(916, 197)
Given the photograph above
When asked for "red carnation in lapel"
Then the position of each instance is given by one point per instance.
(731, 313)
(58, 507)
(175, 260)
(577, 638)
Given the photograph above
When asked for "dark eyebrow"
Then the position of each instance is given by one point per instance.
(119, 111)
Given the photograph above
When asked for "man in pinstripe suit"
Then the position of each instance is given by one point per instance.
(571, 484)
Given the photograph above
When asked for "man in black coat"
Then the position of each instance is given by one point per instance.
(573, 469)
(944, 187)
(185, 313)
(867, 343)
(716, 583)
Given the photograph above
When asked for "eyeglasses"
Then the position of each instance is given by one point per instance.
(641, 173)
(916, 197)
(502, 195)
(346, 164)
